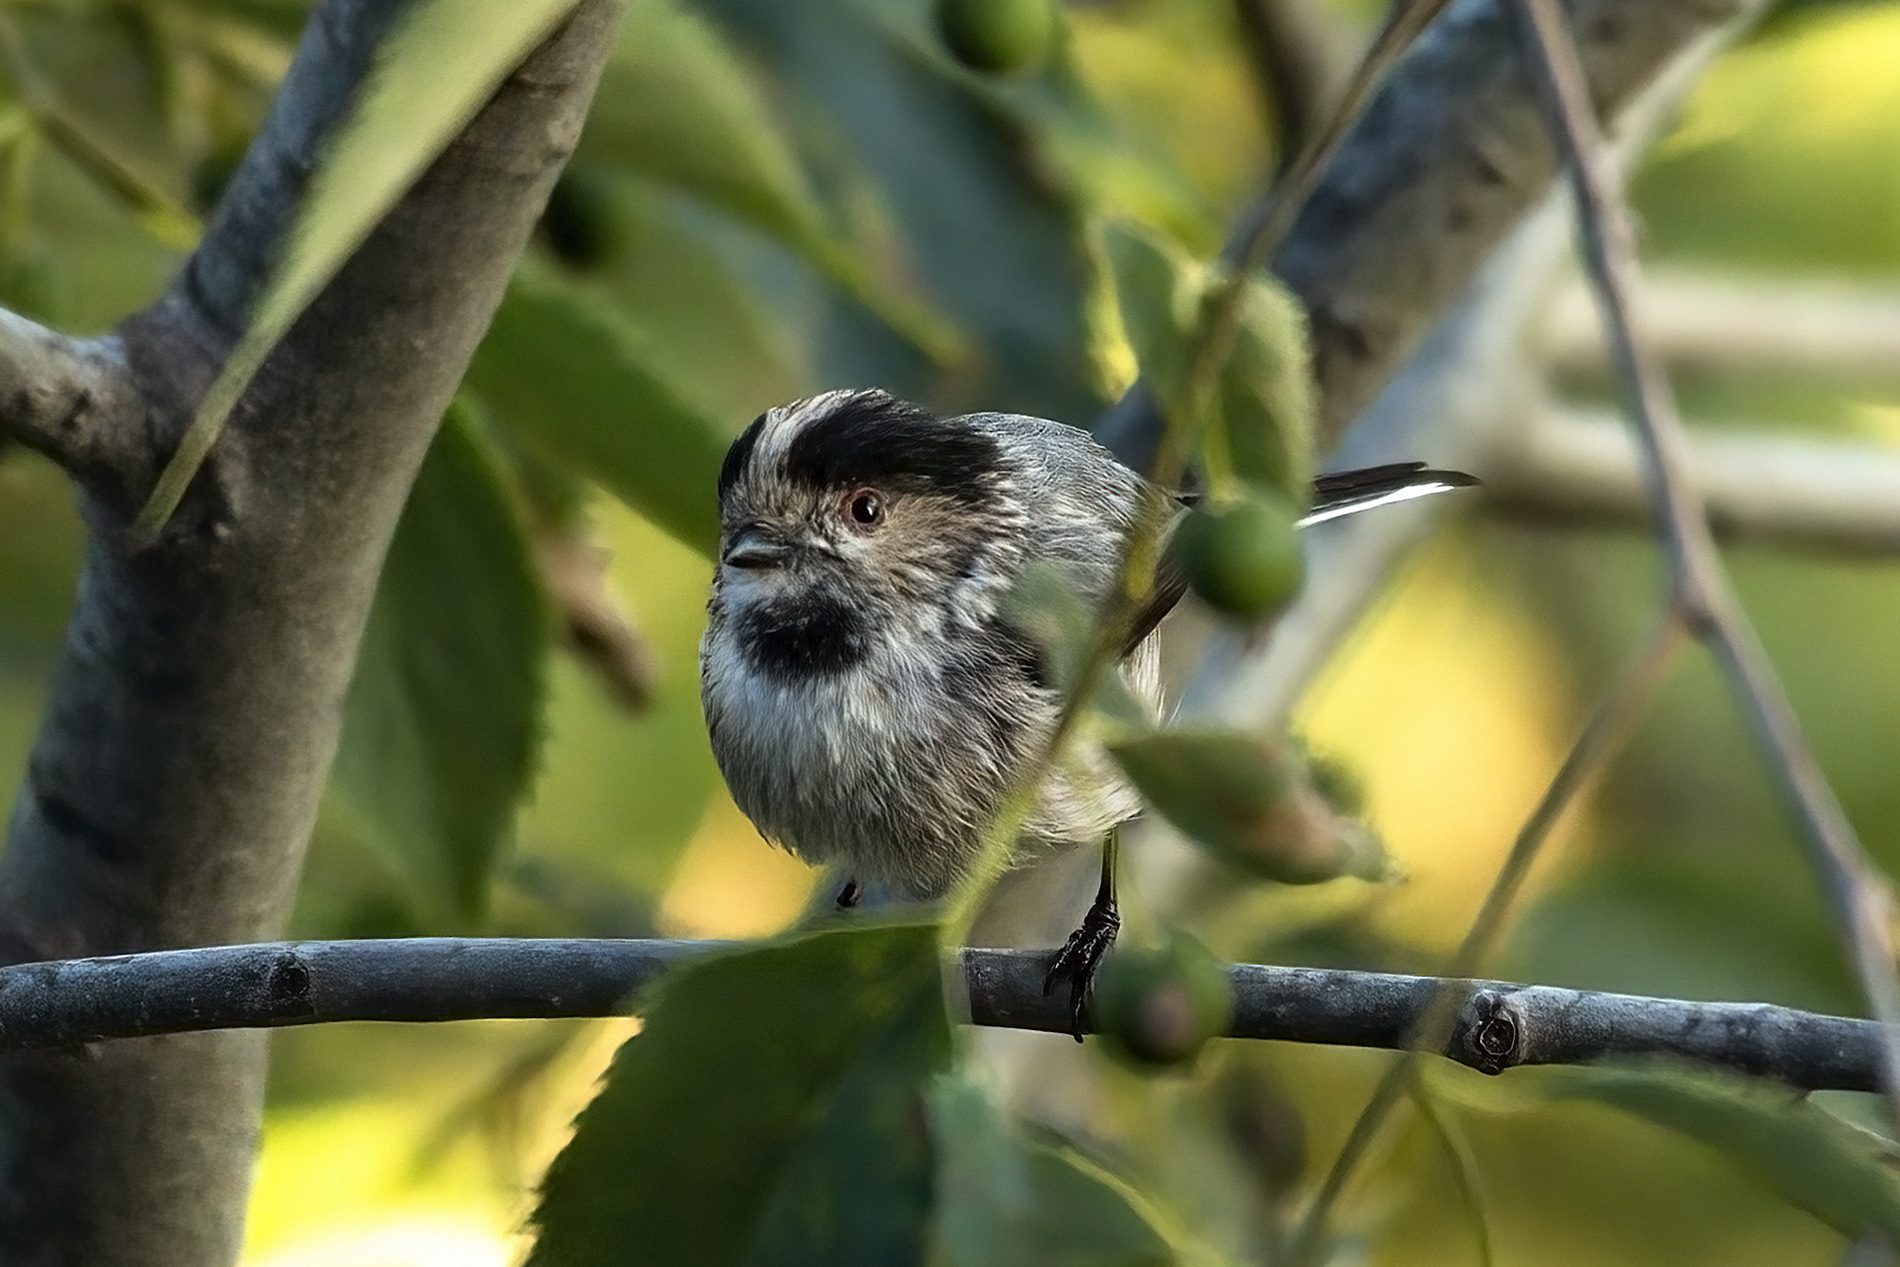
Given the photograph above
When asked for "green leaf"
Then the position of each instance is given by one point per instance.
(433, 72)
(667, 269)
(1266, 395)
(1004, 1201)
(1157, 291)
(1251, 803)
(1263, 401)
(42, 543)
(1839, 1173)
(968, 216)
(674, 104)
(770, 1111)
(573, 379)
(444, 715)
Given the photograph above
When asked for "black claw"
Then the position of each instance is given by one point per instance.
(1081, 956)
(848, 896)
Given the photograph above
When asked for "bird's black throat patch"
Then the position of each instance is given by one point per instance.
(804, 636)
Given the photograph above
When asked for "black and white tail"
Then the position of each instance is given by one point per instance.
(1349, 492)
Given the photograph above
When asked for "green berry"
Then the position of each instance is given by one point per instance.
(997, 37)
(1159, 1007)
(1242, 558)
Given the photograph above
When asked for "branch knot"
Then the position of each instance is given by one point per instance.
(1490, 1033)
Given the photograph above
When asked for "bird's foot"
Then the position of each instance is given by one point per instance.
(1078, 960)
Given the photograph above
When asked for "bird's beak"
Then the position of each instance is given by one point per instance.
(754, 547)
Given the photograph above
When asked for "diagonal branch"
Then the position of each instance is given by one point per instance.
(1855, 889)
(1497, 1025)
(1440, 1022)
(1448, 159)
(70, 399)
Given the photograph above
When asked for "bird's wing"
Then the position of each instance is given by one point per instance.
(1170, 584)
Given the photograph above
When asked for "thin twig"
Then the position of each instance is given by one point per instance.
(1271, 218)
(1498, 1025)
(166, 214)
(1464, 1171)
(1612, 718)
(1855, 889)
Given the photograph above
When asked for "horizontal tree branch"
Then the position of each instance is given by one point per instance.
(1725, 322)
(70, 1002)
(70, 399)
(1581, 466)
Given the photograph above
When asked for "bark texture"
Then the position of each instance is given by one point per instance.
(1498, 1025)
(196, 708)
(1445, 162)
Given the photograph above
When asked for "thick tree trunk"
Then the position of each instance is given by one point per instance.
(196, 708)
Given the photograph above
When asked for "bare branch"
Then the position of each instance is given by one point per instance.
(1728, 322)
(1451, 156)
(1499, 1025)
(70, 399)
(1581, 466)
(1855, 889)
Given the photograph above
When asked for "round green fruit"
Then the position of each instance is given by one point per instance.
(1158, 1007)
(1242, 558)
(998, 37)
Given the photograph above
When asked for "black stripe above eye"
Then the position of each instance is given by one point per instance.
(875, 439)
(738, 455)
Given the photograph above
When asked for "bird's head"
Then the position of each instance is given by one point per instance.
(843, 514)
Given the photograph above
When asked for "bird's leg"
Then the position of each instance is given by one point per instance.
(1079, 959)
(848, 896)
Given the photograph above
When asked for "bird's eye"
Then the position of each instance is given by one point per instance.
(865, 508)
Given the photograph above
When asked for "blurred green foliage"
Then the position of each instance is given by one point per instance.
(771, 199)
(444, 716)
(781, 1089)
